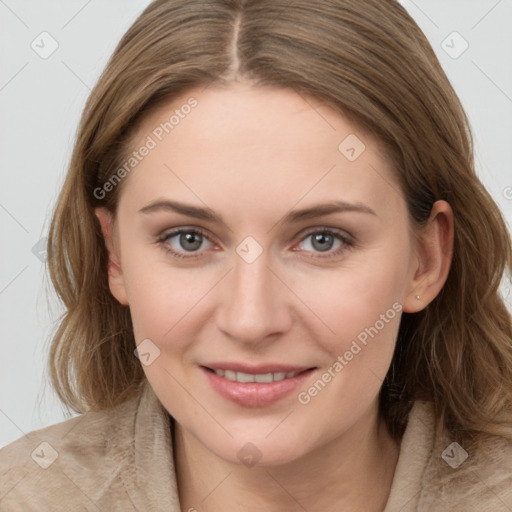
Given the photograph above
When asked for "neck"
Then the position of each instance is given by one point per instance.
(352, 472)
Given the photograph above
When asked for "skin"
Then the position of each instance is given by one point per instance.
(251, 155)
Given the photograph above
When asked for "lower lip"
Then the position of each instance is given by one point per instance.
(255, 394)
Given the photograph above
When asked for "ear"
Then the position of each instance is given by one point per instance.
(434, 251)
(115, 273)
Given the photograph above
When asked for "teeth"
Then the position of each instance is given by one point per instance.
(247, 377)
(260, 377)
(265, 377)
(230, 375)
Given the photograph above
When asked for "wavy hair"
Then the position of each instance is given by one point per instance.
(376, 67)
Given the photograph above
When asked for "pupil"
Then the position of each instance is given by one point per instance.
(322, 239)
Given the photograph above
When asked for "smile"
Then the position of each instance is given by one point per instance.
(250, 377)
(255, 389)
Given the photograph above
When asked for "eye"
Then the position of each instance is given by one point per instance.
(181, 241)
(328, 241)
(192, 242)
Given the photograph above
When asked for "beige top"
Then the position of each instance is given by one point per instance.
(121, 460)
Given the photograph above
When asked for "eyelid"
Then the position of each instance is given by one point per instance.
(325, 229)
(183, 229)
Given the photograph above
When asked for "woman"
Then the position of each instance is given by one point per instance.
(281, 276)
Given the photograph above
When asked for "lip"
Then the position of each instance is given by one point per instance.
(256, 394)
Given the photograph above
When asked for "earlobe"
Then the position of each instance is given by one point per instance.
(434, 251)
(115, 273)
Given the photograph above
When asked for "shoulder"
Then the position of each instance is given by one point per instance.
(470, 478)
(455, 477)
(66, 460)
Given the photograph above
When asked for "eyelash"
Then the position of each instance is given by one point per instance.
(347, 242)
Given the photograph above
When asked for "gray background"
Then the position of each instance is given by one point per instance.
(41, 98)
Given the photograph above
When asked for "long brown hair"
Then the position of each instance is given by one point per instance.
(372, 64)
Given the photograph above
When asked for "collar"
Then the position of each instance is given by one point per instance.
(422, 479)
(149, 475)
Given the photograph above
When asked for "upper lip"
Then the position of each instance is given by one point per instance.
(256, 369)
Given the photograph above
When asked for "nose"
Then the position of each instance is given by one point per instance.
(254, 304)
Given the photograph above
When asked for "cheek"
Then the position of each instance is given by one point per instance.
(365, 317)
(164, 301)
(355, 297)
(360, 307)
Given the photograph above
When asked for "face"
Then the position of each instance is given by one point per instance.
(260, 236)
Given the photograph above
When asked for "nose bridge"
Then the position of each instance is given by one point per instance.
(253, 306)
(251, 280)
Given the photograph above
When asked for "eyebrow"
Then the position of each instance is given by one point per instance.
(293, 216)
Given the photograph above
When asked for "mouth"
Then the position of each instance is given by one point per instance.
(256, 387)
(244, 377)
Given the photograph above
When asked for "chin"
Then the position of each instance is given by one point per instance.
(259, 452)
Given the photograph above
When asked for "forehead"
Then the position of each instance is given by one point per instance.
(256, 117)
(259, 145)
